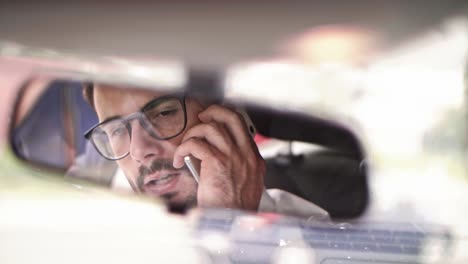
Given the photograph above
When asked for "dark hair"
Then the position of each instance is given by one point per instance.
(204, 85)
(88, 94)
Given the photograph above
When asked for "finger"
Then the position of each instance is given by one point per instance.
(232, 120)
(214, 133)
(197, 147)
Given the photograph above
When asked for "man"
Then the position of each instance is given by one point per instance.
(149, 133)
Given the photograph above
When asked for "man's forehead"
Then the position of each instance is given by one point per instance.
(117, 101)
(109, 91)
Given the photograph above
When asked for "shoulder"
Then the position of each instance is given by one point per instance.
(279, 201)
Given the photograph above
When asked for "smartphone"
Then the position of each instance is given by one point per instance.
(248, 122)
(193, 164)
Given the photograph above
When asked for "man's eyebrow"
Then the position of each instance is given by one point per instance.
(110, 118)
(141, 108)
(154, 98)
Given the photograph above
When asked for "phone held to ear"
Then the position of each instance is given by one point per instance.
(193, 164)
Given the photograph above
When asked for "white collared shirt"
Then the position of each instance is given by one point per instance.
(282, 202)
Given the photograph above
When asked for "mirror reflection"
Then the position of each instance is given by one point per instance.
(50, 117)
(190, 149)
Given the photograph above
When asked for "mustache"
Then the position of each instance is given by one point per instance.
(156, 165)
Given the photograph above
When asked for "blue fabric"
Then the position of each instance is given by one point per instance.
(41, 135)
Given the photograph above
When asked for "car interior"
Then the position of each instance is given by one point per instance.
(359, 107)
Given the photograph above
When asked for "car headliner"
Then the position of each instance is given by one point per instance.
(209, 33)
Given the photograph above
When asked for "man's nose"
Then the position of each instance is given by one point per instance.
(143, 147)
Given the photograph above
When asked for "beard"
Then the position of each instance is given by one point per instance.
(166, 164)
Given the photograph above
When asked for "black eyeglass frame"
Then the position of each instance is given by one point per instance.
(140, 116)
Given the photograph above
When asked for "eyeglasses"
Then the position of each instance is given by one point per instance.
(163, 118)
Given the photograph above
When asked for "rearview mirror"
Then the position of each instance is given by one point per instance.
(56, 126)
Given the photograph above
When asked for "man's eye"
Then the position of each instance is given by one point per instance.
(167, 113)
(162, 114)
(118, 132)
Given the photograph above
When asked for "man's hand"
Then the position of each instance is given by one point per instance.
(232, 169)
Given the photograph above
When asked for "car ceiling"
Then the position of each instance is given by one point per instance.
(210, 33)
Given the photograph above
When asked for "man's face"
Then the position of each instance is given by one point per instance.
(148, 166)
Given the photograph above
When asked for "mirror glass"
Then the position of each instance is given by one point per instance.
(87, 129)
(128, 138)
(51, 115)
